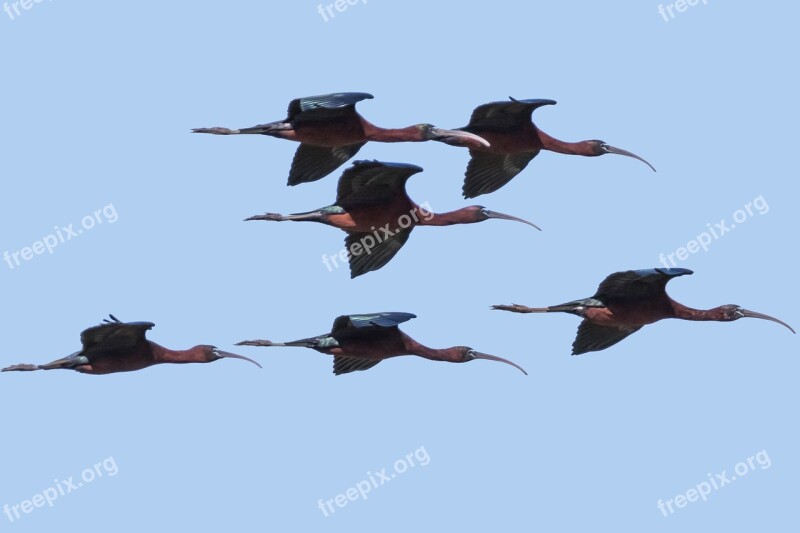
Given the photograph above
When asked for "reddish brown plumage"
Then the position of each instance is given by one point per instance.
(373, 207)
(514, 140)
(359, 342)
(332, 131)
(122, 347)
(627, 301)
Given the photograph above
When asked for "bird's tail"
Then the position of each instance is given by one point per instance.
(261, 129)
(297, 217)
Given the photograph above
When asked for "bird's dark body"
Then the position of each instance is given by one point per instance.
(627, 301)
(331, 132)
(116, 346)
(514, 141)
(373, 207)
(359, 342)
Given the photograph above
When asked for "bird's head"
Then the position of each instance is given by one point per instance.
(212, 353)
(465, 354)
(429, 132)
(731, 313)
(596, 148)
(479, 213)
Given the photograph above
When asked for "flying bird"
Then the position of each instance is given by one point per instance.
(626, 301)
(359, 342)
(372, 206)
(331, 132)
(514, 140)
(115, 346)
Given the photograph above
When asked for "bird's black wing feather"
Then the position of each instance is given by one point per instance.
(324, 104)
(487, 172)
(502, 116)
(114, 336)
(593, 338)
(378, 256)
(636, 285)
(345, 365)
(373, 183)
(384, 320)
(311, 163)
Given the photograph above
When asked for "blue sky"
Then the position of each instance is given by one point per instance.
(97, 106)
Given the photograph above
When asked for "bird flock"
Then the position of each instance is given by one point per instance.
(374, 210)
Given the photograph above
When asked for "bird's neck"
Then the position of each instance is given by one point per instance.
(684, 312)
(391, 135)
(415, 348)
(562, 147)
(459, 216)
(165, 355)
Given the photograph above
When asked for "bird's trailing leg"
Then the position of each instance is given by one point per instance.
(277, 217)
(71, 362)
(273, 128)
(259, 343)
(517, 308)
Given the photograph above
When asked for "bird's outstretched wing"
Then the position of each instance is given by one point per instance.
(506, 115)
(636, 285)
(312, 163)
(377, 256)
(324, 106)
(383, 320)
(114, 335)
(487, 172)
(593, 338)
(373, 183)
(345, 365)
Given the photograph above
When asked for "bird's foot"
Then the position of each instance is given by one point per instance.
(255, 343)
(514, 308)
(21, 368)
(216, 131)
(275, 217)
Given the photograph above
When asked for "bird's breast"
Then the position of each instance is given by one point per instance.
(330, 133)
(380, 218)
(509, 142)
(620, 315)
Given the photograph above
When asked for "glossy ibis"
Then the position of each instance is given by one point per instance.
(116, 346)
(331, 131)
(626, 301)
(514, 140)
(359, 342)
(372, 206)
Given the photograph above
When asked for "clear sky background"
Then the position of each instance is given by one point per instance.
(98, 100)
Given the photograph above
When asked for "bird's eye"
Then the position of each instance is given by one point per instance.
(470, 354)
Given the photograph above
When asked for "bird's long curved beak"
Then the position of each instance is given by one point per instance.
(459, 138)
(236, 356)
(762, 316)
(480, 355)
(619, 151)
(503, 216)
